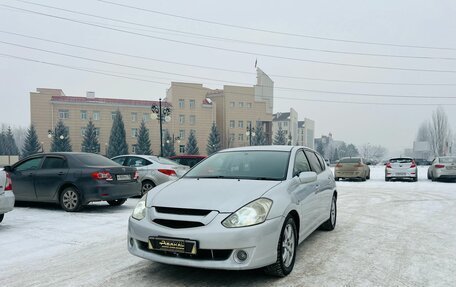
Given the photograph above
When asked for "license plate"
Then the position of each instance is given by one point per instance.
(400, 173)
(173, 245)
(123, 177)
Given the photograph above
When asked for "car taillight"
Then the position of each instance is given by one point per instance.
(439, 166)
(413, 164)
(136, 176)
(9, 183)
(388, 165)
(99, 175)
(168, 171)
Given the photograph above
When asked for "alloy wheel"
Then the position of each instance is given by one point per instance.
(70, 199)
(288, 245)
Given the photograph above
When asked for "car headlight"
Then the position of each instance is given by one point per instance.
(253, 213)
(140, 210)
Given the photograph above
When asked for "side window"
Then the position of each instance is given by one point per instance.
(322, 161)
(136, 162)
(314, 162)
(301, 164)
(54, 162)
(119, 160)
(30, 164)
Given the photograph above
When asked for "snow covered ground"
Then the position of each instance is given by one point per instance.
(388, 234)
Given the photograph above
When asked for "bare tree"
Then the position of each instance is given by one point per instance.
(440, 132)
(369, 151)
(423, 134)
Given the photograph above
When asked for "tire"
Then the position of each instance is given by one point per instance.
(1, 217)
(117, 202)
(70, 199)
(330, 224)
(428, 176)
(387, 178)
(146, 186)
(415, 179)
(368, 175)
(336, 178)
(363, 178)
(288, 240)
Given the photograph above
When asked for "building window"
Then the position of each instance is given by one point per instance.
(249, 105)
(146, 117)
(285, 131)
(83, 115)
(181, 134)
(231, 104)
(64, 114)
(134, 132)
(113, 115)
(97, 132)
(285, 124)
(181, 148)
(231, 137)
(241, 104)
(83, 131)
(192, 104)
(96, 116)
(181, 119)
(134, 117)
(133, 148)
(249, 124)
(280, 124)
(240, 124)
(231, 124)
(192, 120)
(241, 137)
(181, 103)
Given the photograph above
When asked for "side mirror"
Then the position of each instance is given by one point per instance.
(307, 176)
(7, 168)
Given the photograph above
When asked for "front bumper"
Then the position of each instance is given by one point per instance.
(6, 202)
(258, 241)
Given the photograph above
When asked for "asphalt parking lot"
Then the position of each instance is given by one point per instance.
(387, 234)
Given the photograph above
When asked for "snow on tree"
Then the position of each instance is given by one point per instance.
(143, 144)
(117, 138)
(60, 138)
(280, 138)
(440, 133)
(7, 143)
(192, 145)
(90, 141)
(260, 137)
(31, 143)
(168, 145)
(213, 142)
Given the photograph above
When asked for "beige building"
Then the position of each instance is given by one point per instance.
(288, 122)
(306, 133)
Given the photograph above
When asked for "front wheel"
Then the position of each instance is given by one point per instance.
(330, 224)
(117, 202)
(286, 250)
(70, 199)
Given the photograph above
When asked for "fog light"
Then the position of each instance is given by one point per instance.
(241, 255)
(131, 242)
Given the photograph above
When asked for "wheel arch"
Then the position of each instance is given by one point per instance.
(66, 185)
(294, 214)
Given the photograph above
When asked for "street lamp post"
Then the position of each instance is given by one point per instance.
(250, 133)
(162, 114)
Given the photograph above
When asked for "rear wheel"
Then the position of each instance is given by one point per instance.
(146, 186)
(1, 217)
(286, 250)
(428, 175)
(70, 199)
(387, 178)
(337, 178)
(368, 175)
(117, 202)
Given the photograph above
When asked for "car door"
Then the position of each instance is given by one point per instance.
(304, 193)
(50, 177)
(322, 186)
(22, 176)
(326, 189)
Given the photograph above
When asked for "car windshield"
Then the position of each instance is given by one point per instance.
(448, 159)
(400, 160)
(95, 160)
(350, 160)
(258, 165)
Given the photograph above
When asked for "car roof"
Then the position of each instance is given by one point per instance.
(261, 148)
(188, 156)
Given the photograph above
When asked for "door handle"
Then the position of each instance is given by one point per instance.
(61, 173)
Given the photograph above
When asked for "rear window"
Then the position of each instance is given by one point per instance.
(95, 160)
(350, 160)
(401, 160)
(448, 159)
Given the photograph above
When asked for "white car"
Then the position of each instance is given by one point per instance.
(241, 208)
(401, 168)
(6, 194)
(443, 167)
(153, 170)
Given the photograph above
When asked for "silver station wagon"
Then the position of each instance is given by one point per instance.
(241, 208)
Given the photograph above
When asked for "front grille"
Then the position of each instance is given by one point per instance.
(178, 223)
(202, 254)
(182, 211)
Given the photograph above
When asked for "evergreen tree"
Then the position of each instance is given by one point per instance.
(213, 142)
(192, 144)
(8, 143)
(280, 138)
(260, 137)
(168, 145)
(289, 140)
(2, 143)
(352, 151)
(319, 148)
(31, 143)
(335, 155)
(117, 138)
(90, 141)
(60, 138)
(143, 145)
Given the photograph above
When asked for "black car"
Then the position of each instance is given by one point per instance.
(73, 179)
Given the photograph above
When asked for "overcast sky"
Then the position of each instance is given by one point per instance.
(404, 25)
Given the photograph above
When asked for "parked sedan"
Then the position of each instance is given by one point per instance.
(443, 167)
(152, 170)
(73, 179)
(241, 208)
(352, 168)
(6, 194)
(401, 168)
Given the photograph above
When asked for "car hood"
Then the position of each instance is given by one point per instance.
(223, 195)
